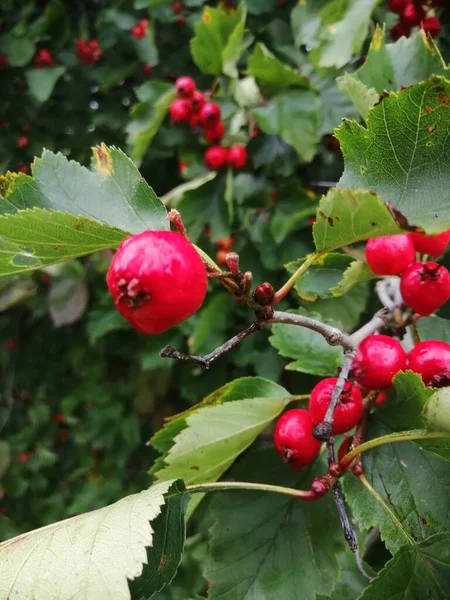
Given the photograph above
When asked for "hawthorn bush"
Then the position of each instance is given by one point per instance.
(289, 265)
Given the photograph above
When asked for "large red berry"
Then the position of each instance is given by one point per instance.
(413, 14)
(216, 157)
(349, 410)
(432, 26)
(210, 114)
(431, 360)
(390, 254)
(215, 133)
(378, 359)
(398, 6)
(294, 440)
(237, 157)
(185, 86)
(425, 287)
(157, 280)
(180, 110)
(434, 245)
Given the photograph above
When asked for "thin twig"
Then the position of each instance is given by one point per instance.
(349, 534)
(377, 322)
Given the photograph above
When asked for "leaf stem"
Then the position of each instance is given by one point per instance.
(402, 436)
(287, 287)
(221, 486)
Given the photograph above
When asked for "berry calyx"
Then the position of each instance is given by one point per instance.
(264, 293)
(432, 26)
(425, 287)
(413, 14)
(434, 245)
(319, 486)
(157, 280)
(210, 114)
(390, 254)
(180, 110)
(237, 157)
(214, 133)
(378, 359)
(431, 360)
(335, 469)
(185, 86)
(294, 440)
(216, 157)
(349, 410)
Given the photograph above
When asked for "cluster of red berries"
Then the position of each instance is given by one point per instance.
(414, 13)
(425, 286)
(43, 59)
(89, 52)
(192, 107)
(139, 31)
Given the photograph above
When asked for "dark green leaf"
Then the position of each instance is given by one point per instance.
(42, 81)
(434, 328)
(321, 276)
(357, 272)
(211, 328)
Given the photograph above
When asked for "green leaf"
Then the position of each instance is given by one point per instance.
(102, 321)
(311, 353)
(265, 546)
(33, 239)
(147, 116)
(299, 107)
(236, 45)
(433, 328)
(42, 81)
(273, 76)
(351, 581)
(346, 309)
(146, 48)
(357, 272)
(408, 61)
(92, 555)
(334, 105)
(407, 167)
(19, 50)
(5, 457)
(112, 192)
(321, 276)
(422, 571)
(362, 96)
(345, 217)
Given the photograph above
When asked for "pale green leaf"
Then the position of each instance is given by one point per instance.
(42, 82)
(362, 96)
(357, 272)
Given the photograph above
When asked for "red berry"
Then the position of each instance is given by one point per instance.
(398, 30)
(434, 245)
(413, 14)
(182, 166)
(216, 157)
(349, 410)
(23, 457)
(147, 69)
(43, 59)
(59, 419)
(358, 470)
(264, 293)
(22, 142)
(185, 86)
(194, 121)
(398, 6)
(3, 61)
(23, 168)
(381, 398)
(198, 100)
(344, 449)
(214, 133)
(221, 257)
(432, 26)
(139, 32)
(177, 7)
(225, 243)
(181, 21)
(157, 280)
(425, 287)
(430, 359)
(294, 440)
(237, 157)
(210, 114)
(390, 254)
(180, 110)
(378, 359)
(319, 486)
(335, 469)
(143, 23)
(9, 344)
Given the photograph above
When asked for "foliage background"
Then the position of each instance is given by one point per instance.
(81, 391)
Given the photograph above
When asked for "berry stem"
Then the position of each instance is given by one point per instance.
(287, 287)
(220, 486)
(349, 534)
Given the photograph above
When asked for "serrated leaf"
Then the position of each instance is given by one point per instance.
(311, 353)
(299, 107)
(357, 272)
(433, 328)
(362, 96)
(88, 557)
(321, 277)
(265, 546)
(345, 217)
(112, 192)
(271, 75)
(388, 67)
(409, 166)
(421, 572)
(32, 239)
(42, 82)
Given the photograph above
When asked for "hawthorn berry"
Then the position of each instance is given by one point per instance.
(413, 14)
(22, 142)
(88, 52)
(181, 21)
(157, 280)
(225, 243)
(43, 59)
(177, 8)
(23, 169)
(349, 410)
(398, 6)
(294, 440)
(9, 344)
(237, 157)
(381, 398)
(430, 359)
(358, 470)
(3, 61)
(180, 110)
(425, 287)
(398, 30)
(390, 254)
(139, 31)
(214, 133)
(198, 100)
(432, 26)
(378, 359)
(23, 457)
(185, 86)
(182, 166)
(221, 257)
(195, 121)
(216, 157)
(264, 293)
(434, 245)
(210, 114)
(147, 69)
